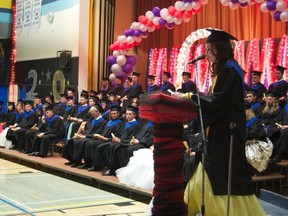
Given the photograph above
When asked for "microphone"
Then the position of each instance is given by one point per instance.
(197, 59)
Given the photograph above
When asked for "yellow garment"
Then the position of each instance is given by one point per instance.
(217, 205)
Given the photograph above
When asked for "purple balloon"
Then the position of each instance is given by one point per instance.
(234, 1)
(187, 1)
(127, 32)
(137, 32)
(111, 60)
(243, 4)
(162, 22)
(271, 5)
(145, 33)
(131, 60)
(127, 68)
(170, 25)
(277, 16)
(156, 11)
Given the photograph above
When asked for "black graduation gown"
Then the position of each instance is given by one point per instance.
(135, 91)
(257, 108)
(74, 148)
(126, 91)
(59, 109)
(54, 130)
(10, 118)
(125, 151)
(190, 86)
(117, 89)
(261, 89)
(112, 126)
(168, 85)
(153, 88)
(283, 140)
(279, 87)
(105, 151)
(2, 116)
(82, 113)
(224, 106)
(255, 130)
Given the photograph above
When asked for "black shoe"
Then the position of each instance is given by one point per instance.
(32, 154)
(94, 168)
(82, 166)
(74, 165)
(109, 172)
(275, 160)
(68, 163)
(37, 154)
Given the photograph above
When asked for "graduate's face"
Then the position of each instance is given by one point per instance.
(251, 98)
(278, 75)
(165, 79)
(130, 115)
(210, 53)
(114, 115)
(185, 79)
(92, 102)
(70, 102)
(83, 101)
(255, 79)
(49, 113)
(63, 100)
(95, 113)
(28, 108)
(151, 82)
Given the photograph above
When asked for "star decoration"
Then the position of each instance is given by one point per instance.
(48, 74)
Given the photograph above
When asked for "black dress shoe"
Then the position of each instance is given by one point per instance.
(32, 154)
(68, 163)
(109, 172)
(94, 168)
(82, 166)
(37, 154)
(74, 165)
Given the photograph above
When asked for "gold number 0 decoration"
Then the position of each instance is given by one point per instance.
(58, 79)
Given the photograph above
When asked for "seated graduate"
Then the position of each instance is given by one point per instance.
(282, 125)
(254, 130)
(117, 89)
(252, 99)
(81, 115)
(2, 113)
(188, 85)
(60, 107)
(113, 127)
(10, 119)
(74, 148)
(166, 83)
(104, 155)
(105, 104)
(28, 120)
(54, 130)
(269, 115)
(152, 86)
(260, 88)
(280, 87)
(19, 113)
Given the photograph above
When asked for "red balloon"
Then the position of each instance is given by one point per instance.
(111, 47)
(188, 14)
(196, 11)
(172, 10)
(116, 45)
(136, 43)
(144, 20)
(130, 45)
(178, 14)
(140, 18)
(150, 23)
(122, 46)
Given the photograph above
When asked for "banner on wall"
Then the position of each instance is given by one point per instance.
(27, 14)
(19, 15)
(36, 19)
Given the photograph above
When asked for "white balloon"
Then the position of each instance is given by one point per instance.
(122, 38)
(130, 40)
(196, 5)
(116, 53)
(281, 6)
(133, 25)
(156, 20)
(187, 6)
(233, 6)
(186, 19)
(143, 28)
(121, 60)
(242, 1)
(170, 18)
(152, 29)
(250, 2)
(284, 16)
(149, 14)
(179, 5)
(112, 77)
(259, 1)
(177, 21)
(263, 7)
(116, 68)
(138, 39)
(164, 13)
(225, 2)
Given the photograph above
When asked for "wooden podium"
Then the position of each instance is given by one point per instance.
(168, 114)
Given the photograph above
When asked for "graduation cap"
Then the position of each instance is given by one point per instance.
(257, 73)
(93, 92)
(37, 97)
(132, 108)
(273, 94)
(167, 74)
(63, 95)
(48, 106)
(105, 100)
(49, 96)
(10, 103)
(1, 102)
(20, 101)
(136, 74)
(29, 102)
(218, 35)
(152, 77)
(129, 79)
(280, 68)
(98, 107)
(116, 108)
(71, 89)
(252, 91)
(112, 94)
(188, 74)
(84, 94)
(93, 97)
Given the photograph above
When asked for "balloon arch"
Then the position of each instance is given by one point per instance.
(122, 64)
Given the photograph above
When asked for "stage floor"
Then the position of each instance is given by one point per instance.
(26, 191)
